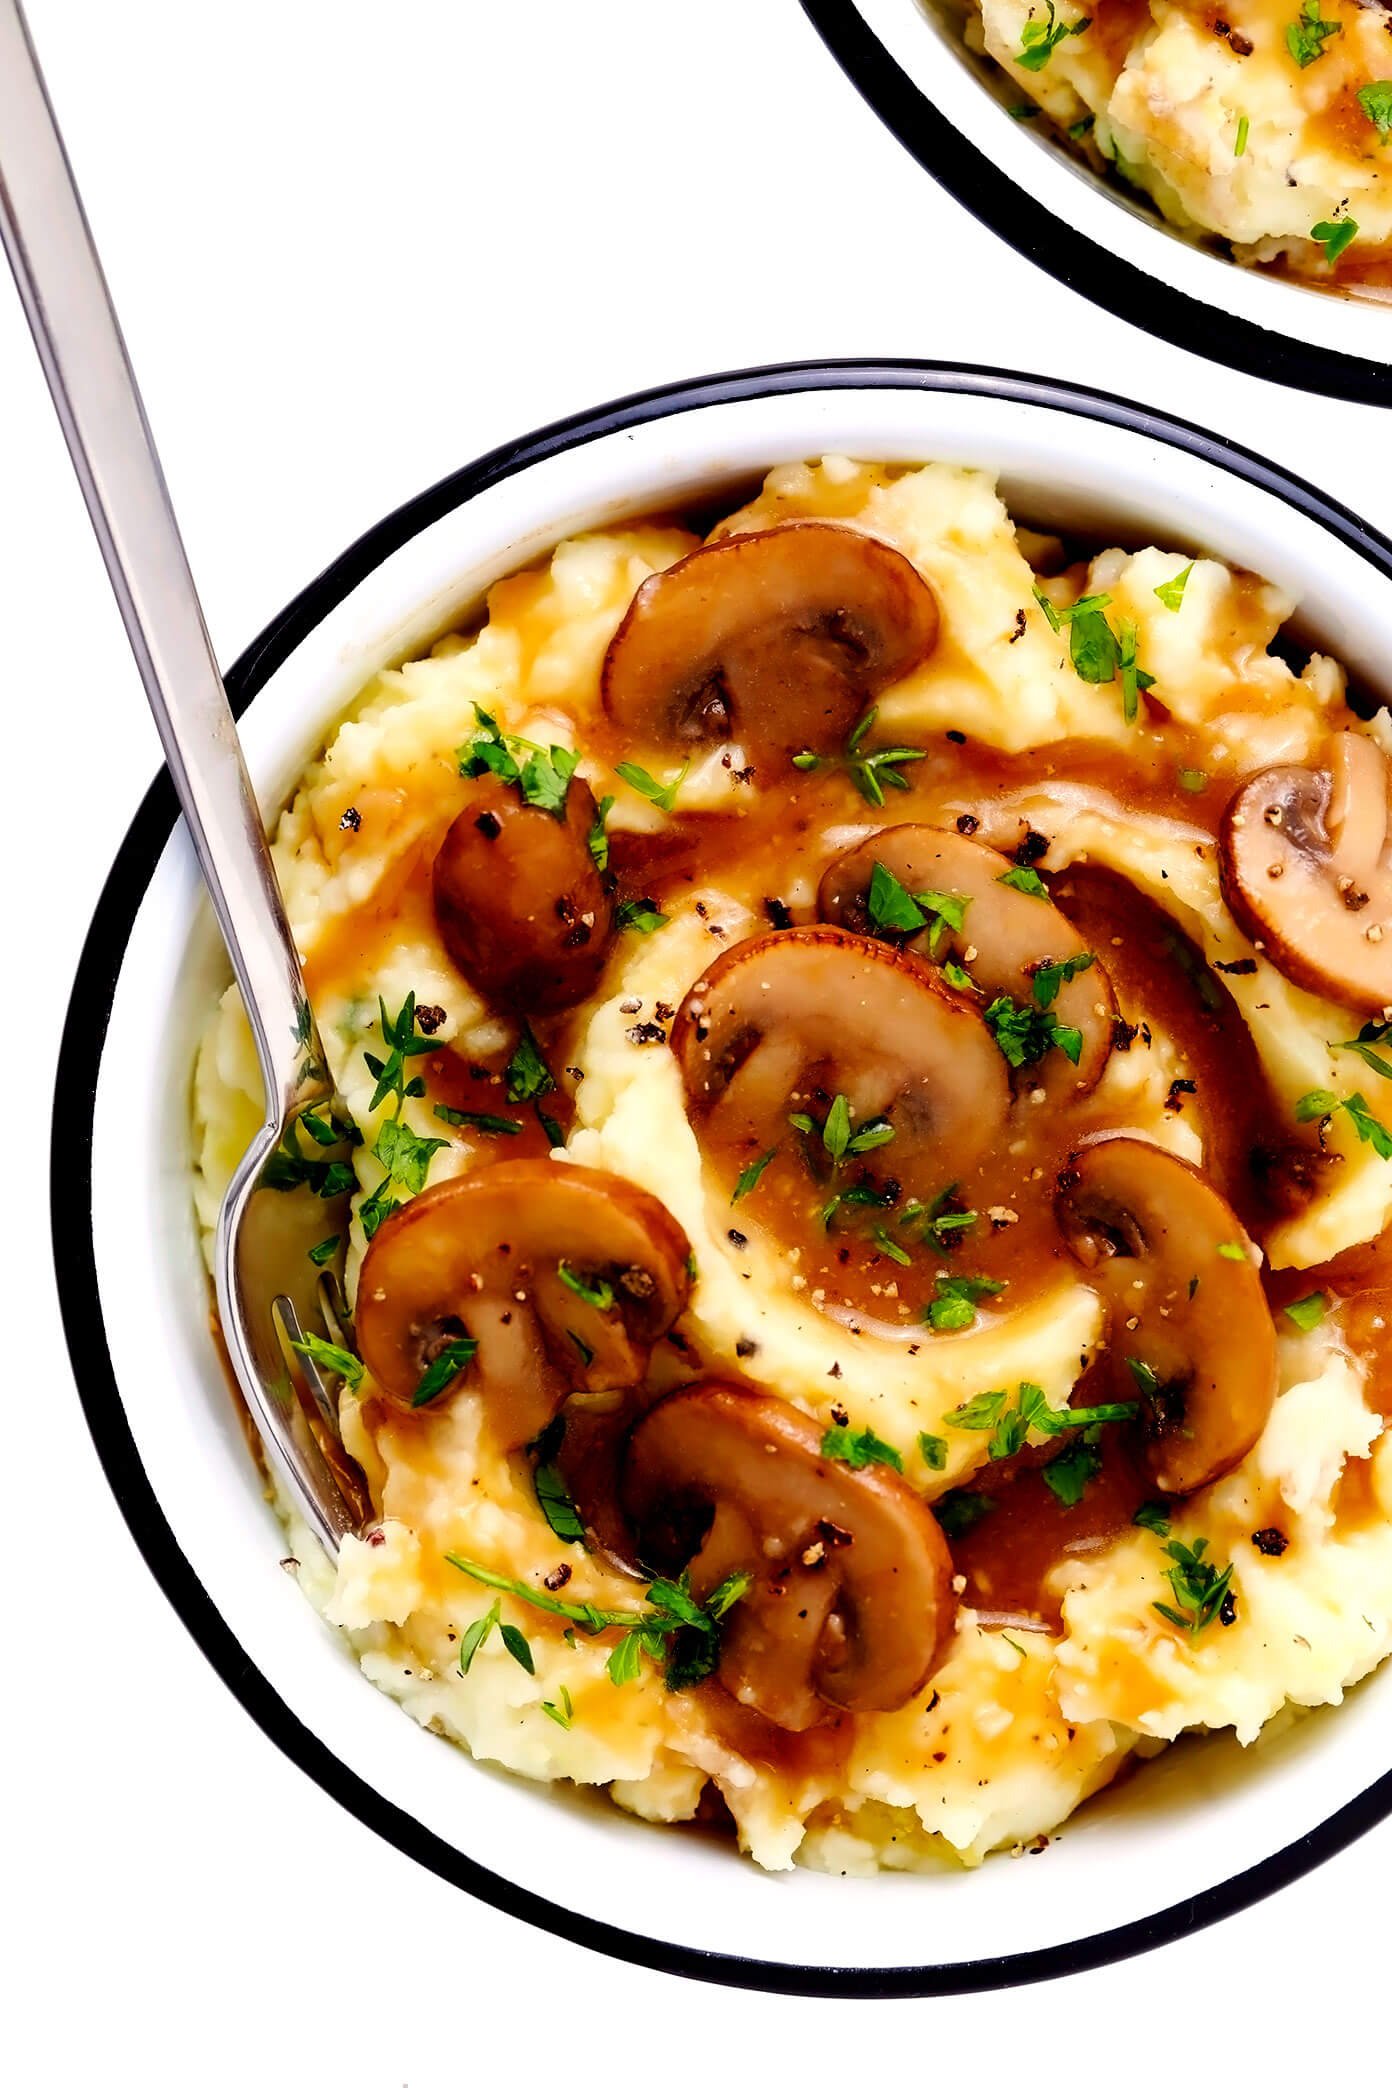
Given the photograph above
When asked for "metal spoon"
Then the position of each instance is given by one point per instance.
(269, 1292)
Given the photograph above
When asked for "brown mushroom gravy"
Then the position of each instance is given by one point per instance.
(872, 1045)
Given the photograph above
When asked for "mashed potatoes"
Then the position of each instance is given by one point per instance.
(1057, 1672)
(1266, 124)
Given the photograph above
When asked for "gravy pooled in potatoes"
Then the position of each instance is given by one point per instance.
(867, 1036)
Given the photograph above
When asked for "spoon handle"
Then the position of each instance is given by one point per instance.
(46, 236)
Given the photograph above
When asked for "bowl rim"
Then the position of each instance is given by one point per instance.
(71, 1154)
(1040, 235)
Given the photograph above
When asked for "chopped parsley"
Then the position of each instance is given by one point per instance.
(663, 795)
(1153, 1516)
(1011, 1421)
(527, 1076)
(1049, 977)
(1024, 880)
(871, 773)
(1307, 35)
(398, 1031)
(838, 1133)
(1069, 1475)
(553, 1495)
(443, 1369)
(329, 1356)
(640, 915)
(941, 1222)
(859, 1448)
(476, 1636)
(894, 910)
(1375, 100)
(1239, 148)
(597, 839)
(1099, 653)
(1232, 1250)
(1306, 1312)
(961, 1510)
(954, 1306)
(1323, 1102)
(542, 775)
(1023, 1033)
(596, 1291)
(1200, 1590)
(406, 1160)
(325, 1250)
(751, 1176)
(1371, 1034)
(563, 1712)
(478, 1120)
(1335, 235)
(675, 1631)
(891, 1247)
(1039, 40)
(933, 1450)
(1193, 780)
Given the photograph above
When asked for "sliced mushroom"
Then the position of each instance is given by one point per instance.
(1306, 867)
(1007, 937)
(520, 905)
(805, 1011)
(777, 639)
(1190, 1332)
(487, 1256)
(851, 1599)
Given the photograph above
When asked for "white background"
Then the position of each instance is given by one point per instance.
(352, 246)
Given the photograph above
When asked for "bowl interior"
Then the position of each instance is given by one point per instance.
(1204, 1816)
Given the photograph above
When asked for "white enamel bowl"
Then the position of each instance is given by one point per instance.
(1202, 1831)
(950, 109)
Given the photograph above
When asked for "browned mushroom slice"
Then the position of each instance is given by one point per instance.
(806, 1010)
(564, 1276)
(777, 639)
(520, 906)
(850, 1603)
(1190, 1332)
(1306, 869)
(1013, 942)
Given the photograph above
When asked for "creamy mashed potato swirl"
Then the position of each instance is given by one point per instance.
(1265, 124)
(1059, 1667)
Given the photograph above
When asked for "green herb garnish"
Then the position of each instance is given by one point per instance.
(1039, 40)
(640, 915)
(1375, 100)
(1049, 978)
(442, 1370)
(478, 1120)
(329, 1356)
(663, 795)
(676, 1632)
(1307, 35)
(593, 1290)
(751, 1176)
(871, 773)
(1306, 1312)
(859, 1448)
(954, 1306)
(1200, 1590)
(1323, 1102)
(1335, 235)
(1024, 1033)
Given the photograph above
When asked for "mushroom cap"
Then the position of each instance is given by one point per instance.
(521, 908)
(816, 1008)
(1010, 934)
(1158, 1242)
(481, 1254)
(777, 639)
(1306, 871)
(851, 1603)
